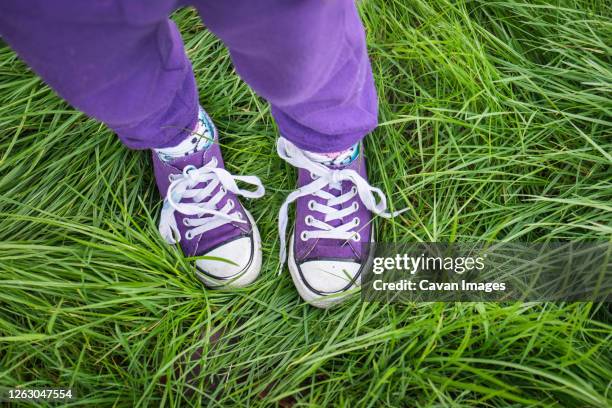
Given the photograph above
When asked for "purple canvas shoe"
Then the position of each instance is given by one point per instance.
(328, 248)
(202, 212)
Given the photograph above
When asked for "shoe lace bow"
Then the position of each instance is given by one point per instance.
(204, 205)
(372, 198)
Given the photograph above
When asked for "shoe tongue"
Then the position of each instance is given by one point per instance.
(335, 161)
(197, 159)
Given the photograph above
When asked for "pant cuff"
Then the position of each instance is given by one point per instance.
(169, 127)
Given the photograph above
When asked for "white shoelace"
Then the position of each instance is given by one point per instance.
(182, 186)
(323, 177)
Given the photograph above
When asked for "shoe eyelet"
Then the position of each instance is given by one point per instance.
(223, 190)
(355, 206)
(354, 190)
(356, 221)
(311, 204)
(239, 215)
(171, 177)
(231, 203)
(308, 220)
(356, 237)
(214, 162)
(189, 235)
(304, 236)
(186, 222)
(313, 176)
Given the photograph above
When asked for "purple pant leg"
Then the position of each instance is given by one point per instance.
(121, 62)
(308, 58)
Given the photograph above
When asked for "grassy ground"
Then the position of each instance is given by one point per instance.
(495, 125)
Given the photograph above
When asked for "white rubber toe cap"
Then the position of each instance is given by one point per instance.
(235, 257)
(327, 277)
(239, 263)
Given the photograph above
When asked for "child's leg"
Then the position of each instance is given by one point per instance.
(308, 58)
(122, 63)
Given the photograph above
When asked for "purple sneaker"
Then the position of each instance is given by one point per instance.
(327, 250)
(202, 212)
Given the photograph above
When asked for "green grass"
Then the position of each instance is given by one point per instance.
(495, 125)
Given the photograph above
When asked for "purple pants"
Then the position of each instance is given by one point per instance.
(123, 63)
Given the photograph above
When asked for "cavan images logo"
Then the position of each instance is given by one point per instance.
(423, 263)
(431, 272)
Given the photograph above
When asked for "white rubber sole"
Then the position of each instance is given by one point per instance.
(312, 298)
(245, 277)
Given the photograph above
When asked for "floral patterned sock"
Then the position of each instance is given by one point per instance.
(200, 139)
(335, 159)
